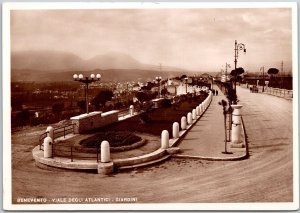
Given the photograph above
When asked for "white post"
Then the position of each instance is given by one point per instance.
(194, 116)
(197, 110)
(131, 110)
(50, 132)
(189, 118)
(183, 123)
(175, 130)
(48, 147)
(236, 126)
(201, 109)
(165, 139)
(105, 152)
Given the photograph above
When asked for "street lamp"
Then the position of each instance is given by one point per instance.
(263, 72)
(158, 78)
(86, 81)
(186, 80)
(237, 48)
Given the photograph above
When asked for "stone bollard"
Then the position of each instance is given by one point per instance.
(48, 147)
(203, 106)
(105, 166)
(189, 118)
(194, 116)
(198, 111)
(131, 110)
(105, 152)
(165, 139)
(175, 130)
(236, 127)
(50, 132)
(183, 123)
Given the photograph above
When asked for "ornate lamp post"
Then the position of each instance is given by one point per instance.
(237, 48)
(186, 81)
(158, 79)
(86, 81)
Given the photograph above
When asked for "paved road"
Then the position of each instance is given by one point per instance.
(265, 177)
(206, 138)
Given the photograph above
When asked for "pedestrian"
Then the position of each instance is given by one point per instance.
(217, 92)
(213, 91)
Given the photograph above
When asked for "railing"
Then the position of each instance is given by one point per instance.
(57, 132)
(72, 152)
(279, 92)
(63, 131)
(273, 91)
(41, 139)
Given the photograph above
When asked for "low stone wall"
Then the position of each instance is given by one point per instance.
(85, 122)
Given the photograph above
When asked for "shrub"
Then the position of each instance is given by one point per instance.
(115, 139)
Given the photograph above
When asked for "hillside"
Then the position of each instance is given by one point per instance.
(56, 65)
(107, 75)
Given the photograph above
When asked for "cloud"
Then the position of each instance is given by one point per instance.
(188, 38)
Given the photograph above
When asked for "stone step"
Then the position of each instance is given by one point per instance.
(149, 163)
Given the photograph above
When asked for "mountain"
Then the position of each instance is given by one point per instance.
(116, 75)
(45, 60)
(60, 66)
(115, 61)
(62, 61)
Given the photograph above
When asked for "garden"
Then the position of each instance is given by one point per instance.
(142, 131)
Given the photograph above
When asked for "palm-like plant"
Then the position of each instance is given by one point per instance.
(223, 103)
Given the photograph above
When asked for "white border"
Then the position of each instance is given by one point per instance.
(7, 202)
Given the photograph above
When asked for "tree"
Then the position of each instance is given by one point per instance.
(57, 108)
(183, 77)
(16, 104)
(273, 71)
(164, 91)
(142, 96)
(223, 103)
(237, 72)
(81, 104)
(23, 117)
(102, 97)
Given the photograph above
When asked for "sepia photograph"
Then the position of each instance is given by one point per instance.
(150, 106)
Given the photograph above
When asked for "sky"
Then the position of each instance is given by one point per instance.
(194, 39)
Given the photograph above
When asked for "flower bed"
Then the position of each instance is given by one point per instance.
(115, 138)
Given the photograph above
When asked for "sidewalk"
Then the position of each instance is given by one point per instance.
(206, 138)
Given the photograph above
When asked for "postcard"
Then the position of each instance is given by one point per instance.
(150, 106)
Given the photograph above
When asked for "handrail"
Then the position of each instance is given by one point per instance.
(65, 130)
(69, 151)
(41, 138)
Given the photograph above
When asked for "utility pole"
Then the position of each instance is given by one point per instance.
(226, 73)
(263, 71)
(282, 74)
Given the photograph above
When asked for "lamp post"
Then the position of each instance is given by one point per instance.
(263, 72)
(237, 48)
(227, 66)
(86, 81)
(186, 81)
(158, 78)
